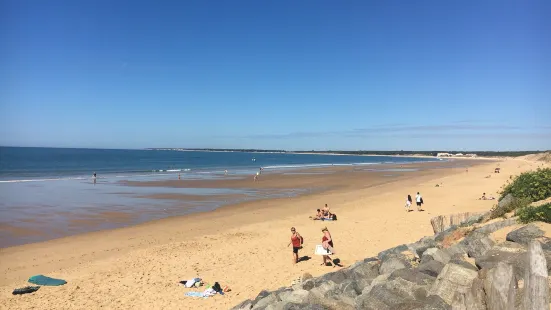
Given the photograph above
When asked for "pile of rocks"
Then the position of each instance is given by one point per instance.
(472, 273)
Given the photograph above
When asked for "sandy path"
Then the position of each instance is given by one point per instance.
(139, 267)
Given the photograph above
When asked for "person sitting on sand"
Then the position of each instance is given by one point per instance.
(486, 198)
(326, 212)
(296, 241)
(327, 244)
(318, 216)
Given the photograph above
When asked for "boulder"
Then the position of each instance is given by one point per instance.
(493, 227)
(390, 294)
(463, 263)
(453, 278)
(296, 297)
(325, 290)
(245, 305)
(419, 247)
(536, 286)
(475, 246)
(364, 272)
(525, 234)
(493, 257)
(499, 286)
(395, 250)
(431, 268)
(412, 275)
(393, 262)
(378, 280)
(308, 284)
(264, 302)
(337, 276)
(473, 299)
(439, 255)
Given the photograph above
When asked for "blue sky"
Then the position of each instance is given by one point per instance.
(385, 75)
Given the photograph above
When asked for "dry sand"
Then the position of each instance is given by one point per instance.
(243, 246)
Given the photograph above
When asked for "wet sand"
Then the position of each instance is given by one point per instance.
(244, 245)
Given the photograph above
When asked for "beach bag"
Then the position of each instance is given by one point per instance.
(301, 240)
(422, 200)
(334, 217)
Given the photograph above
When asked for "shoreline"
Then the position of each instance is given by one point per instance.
(231, 241)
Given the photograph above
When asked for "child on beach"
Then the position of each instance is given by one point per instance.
(408, 203)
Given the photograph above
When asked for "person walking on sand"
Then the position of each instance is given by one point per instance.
(256, 176)
(419, 201)
(296, 241)
(327, 244)
(409, 201)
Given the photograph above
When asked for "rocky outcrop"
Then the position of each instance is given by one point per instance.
(472, 274)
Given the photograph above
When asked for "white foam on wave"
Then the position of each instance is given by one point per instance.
(314, 165)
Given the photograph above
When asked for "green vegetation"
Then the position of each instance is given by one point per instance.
(532, 185)
(516, 204)
(531, 214)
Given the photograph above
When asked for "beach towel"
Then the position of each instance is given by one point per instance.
(321, 251)
(206, 294)
(46, 281)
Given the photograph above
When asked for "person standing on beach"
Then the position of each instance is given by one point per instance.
(256, 176)
(409, 201)
(327, 244)
(94, 175)
(419, 201)
(296, 241)
(179, 177)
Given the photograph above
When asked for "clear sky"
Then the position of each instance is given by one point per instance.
(377, 75)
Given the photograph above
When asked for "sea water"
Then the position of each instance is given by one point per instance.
(47, 193)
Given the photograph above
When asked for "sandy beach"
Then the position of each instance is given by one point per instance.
(244, 246)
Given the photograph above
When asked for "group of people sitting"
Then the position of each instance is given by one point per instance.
(486, 198)
(324, 215)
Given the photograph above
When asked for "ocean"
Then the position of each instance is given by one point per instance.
(20, 164)
(47, 193)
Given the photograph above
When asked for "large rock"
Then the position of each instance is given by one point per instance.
(473, 299)
(393, 262)
(536, 286)
(412, 275)
(493, 227)
(491, 259)
(476, 246)
(419, 247)
(262, 303)
(395, 250)
(499, 286)
(440, 255)
(364, 272)
(431, 268)
(391, 294)
(245, 305)
(525, 234)
(452, 279)
(297, 297)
